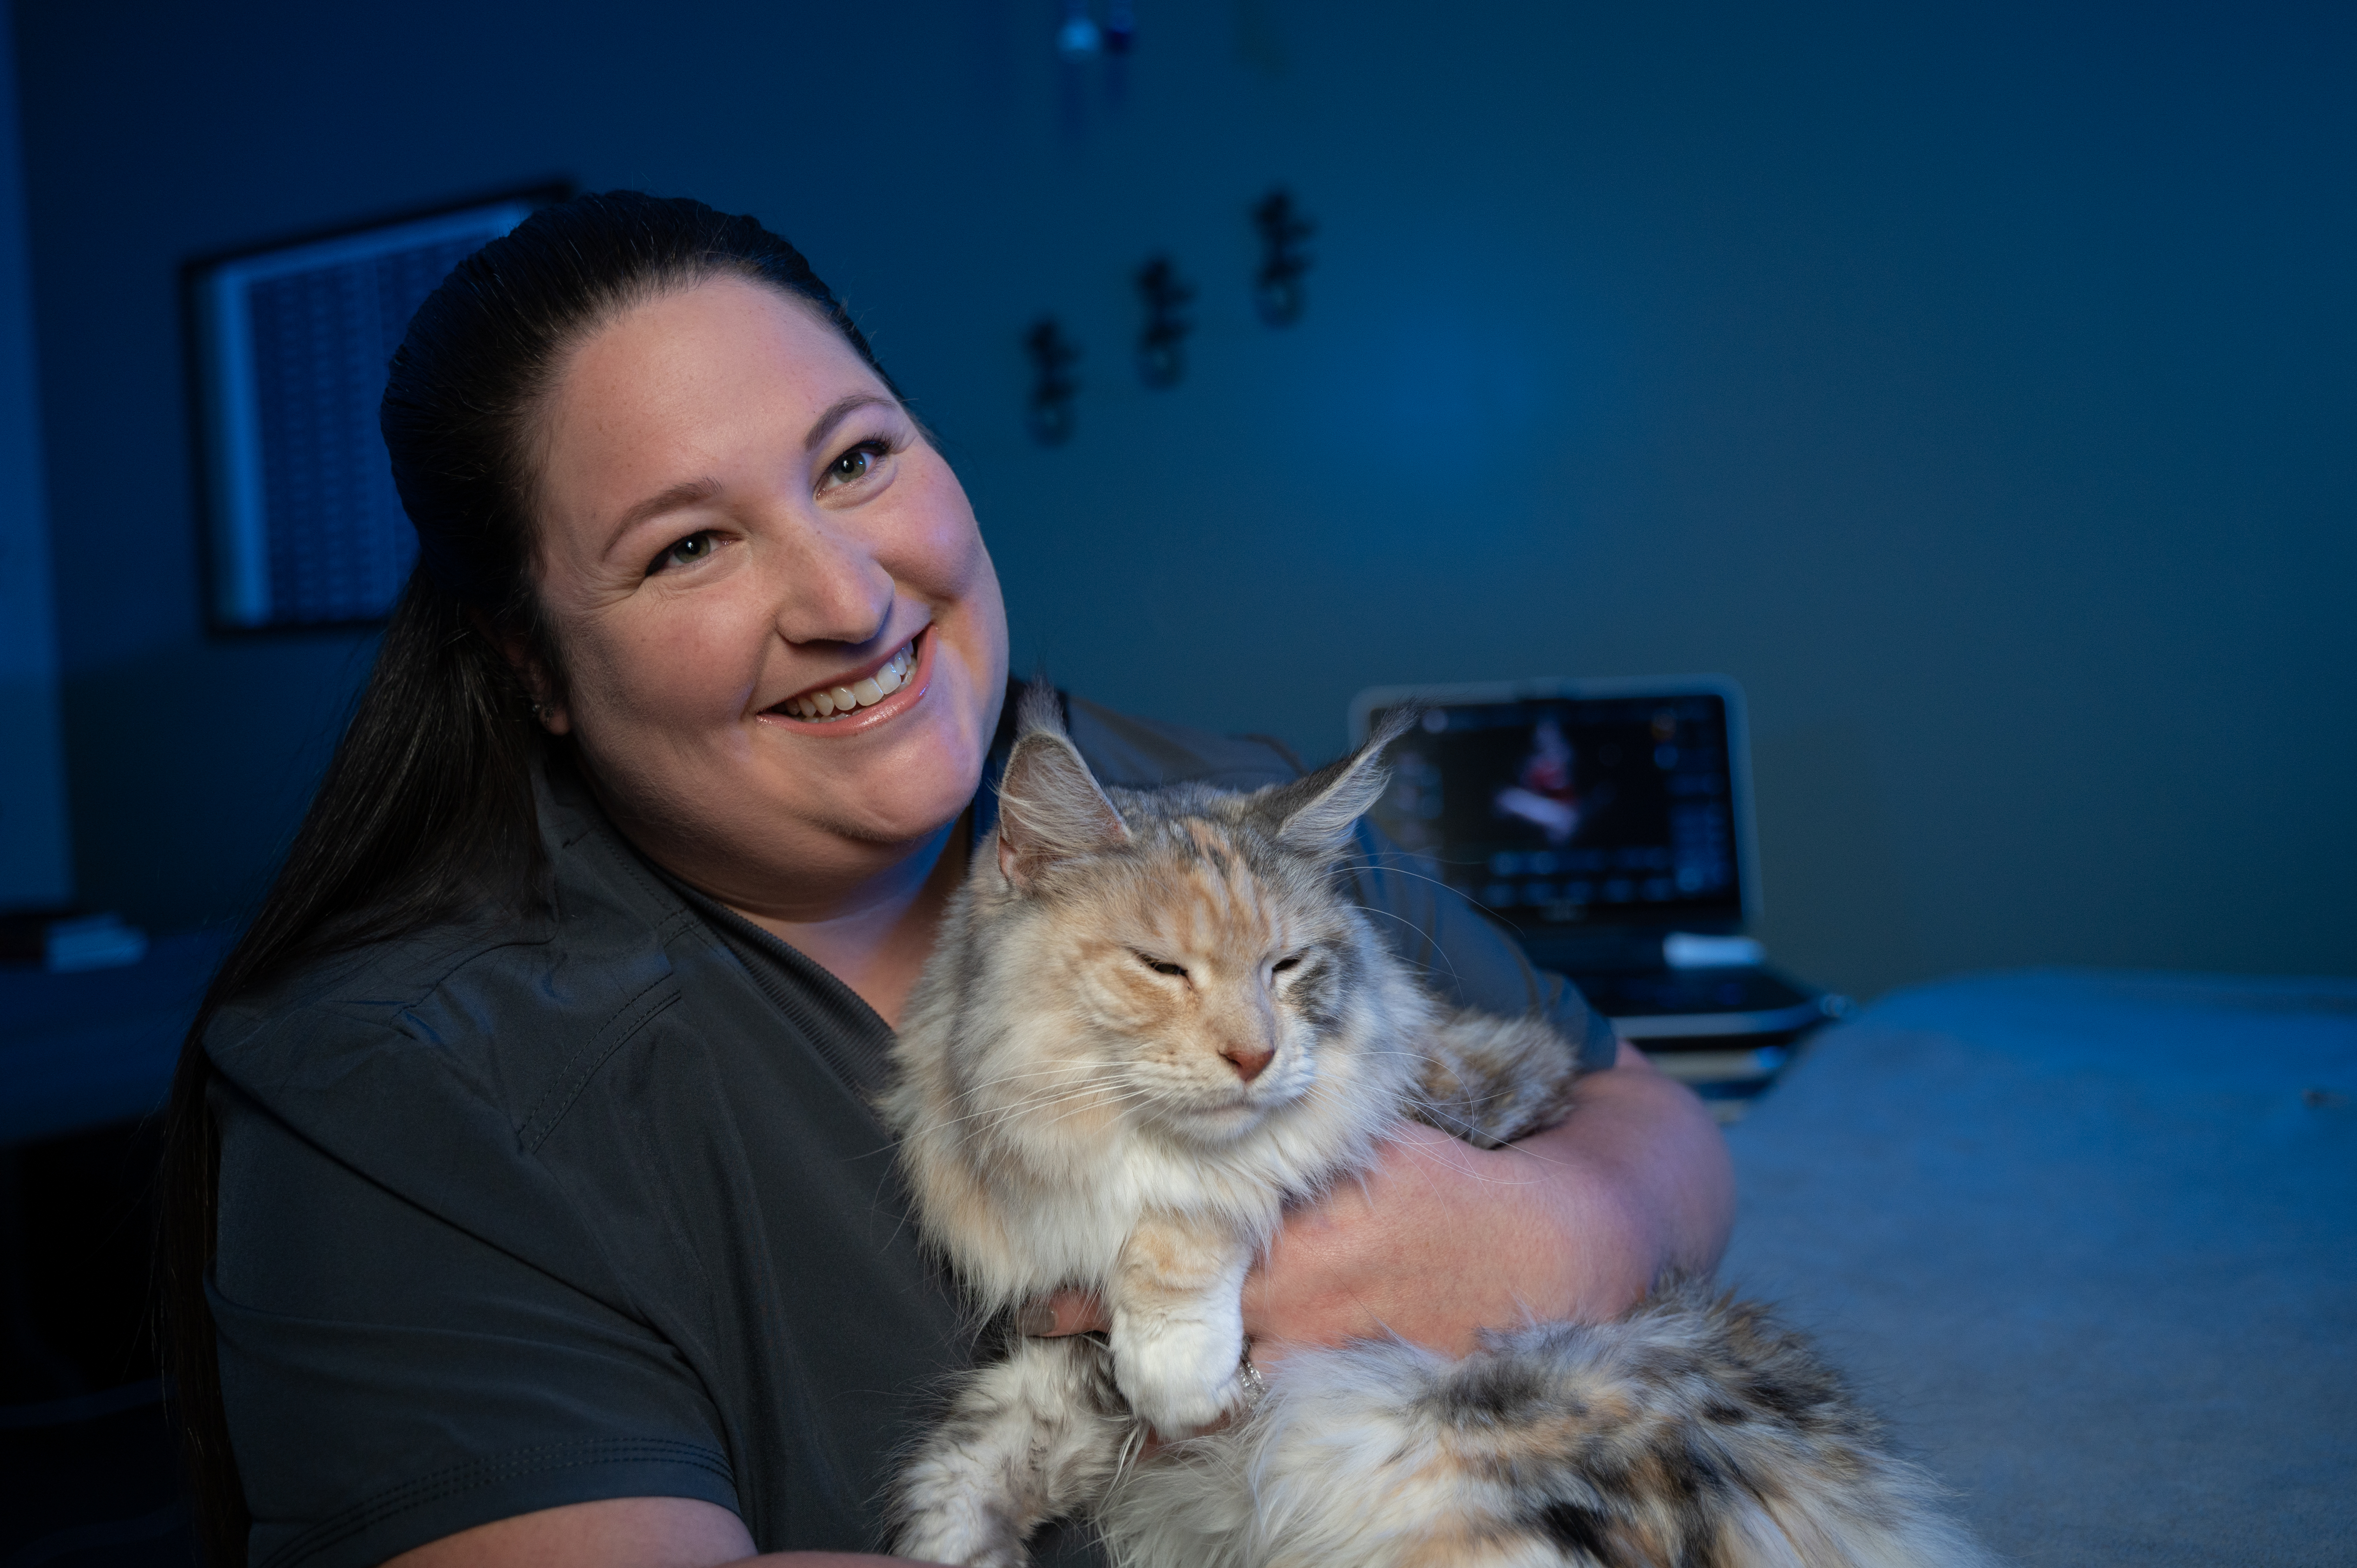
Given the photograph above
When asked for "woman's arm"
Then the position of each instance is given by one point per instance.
(1441, 1239)
(619, 1532)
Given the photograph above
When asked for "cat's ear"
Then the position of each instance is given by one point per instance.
(1050, 809)
(1315, 814)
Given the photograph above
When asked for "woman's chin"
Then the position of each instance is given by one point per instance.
(903, 827)
(905, 805)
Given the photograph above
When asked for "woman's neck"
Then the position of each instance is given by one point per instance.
(880, 935)
(866, 913)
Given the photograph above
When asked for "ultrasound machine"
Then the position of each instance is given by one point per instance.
(1608, 824)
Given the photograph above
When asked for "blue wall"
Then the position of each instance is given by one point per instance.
(35, 868)
(1975, 385)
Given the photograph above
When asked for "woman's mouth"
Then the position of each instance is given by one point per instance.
(832, 704)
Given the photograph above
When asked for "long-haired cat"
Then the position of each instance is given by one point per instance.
(1153, 1020)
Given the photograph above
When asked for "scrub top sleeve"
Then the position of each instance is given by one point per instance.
(1466, 957)
(394, 1378)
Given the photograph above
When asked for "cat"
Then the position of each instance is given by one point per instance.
(1154, 1020)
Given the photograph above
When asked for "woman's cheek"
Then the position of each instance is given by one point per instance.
(679, 660)
(940, 548)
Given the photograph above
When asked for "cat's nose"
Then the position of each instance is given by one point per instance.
(1247, 1059)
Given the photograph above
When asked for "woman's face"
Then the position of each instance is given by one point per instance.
(740, 527)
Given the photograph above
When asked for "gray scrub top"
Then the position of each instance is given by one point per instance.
(528, 1212)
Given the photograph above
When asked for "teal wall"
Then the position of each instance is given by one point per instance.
(1974, 384)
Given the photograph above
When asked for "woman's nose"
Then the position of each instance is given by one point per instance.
(834, 589)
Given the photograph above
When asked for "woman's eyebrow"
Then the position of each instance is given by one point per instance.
(836, 411)
(688, 492)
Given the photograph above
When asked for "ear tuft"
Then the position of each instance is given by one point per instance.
(1315, 814)
(1039, 710)
(1050, 807)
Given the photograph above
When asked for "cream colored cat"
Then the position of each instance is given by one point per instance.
(1153, 1020)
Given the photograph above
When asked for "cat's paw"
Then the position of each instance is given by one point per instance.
(1181, 1377)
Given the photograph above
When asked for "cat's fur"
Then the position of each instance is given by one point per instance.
(1152, 1021)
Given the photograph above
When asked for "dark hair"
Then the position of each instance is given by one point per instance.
(425, 811)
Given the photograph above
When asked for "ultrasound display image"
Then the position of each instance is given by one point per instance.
(1562, 811)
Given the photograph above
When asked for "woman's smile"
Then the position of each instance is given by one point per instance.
(861, 697)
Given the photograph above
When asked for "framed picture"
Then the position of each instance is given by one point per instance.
(290, 346)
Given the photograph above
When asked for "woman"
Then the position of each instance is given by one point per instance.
(525, 1203)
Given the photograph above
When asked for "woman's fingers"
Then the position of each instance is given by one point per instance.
(1065, 1312)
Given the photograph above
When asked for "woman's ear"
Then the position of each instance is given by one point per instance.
(532, 673)
(551, 714)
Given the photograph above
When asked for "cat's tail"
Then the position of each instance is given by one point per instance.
(1036, 1435)
(1693, 1430)
(1489, 1080)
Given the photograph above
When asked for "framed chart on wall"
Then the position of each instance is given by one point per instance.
(289, 345)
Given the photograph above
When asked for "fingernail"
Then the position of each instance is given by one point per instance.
(1038, 1320)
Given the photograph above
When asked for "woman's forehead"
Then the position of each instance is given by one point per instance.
(725, 372)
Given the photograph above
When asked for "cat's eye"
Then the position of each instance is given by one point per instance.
(1159, 967)
(1280, 965)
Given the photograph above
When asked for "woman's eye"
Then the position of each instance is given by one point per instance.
(686, 553)
(857, 464)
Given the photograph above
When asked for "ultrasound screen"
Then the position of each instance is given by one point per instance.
(1560, 812)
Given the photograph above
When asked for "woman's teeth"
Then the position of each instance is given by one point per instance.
(837, 701)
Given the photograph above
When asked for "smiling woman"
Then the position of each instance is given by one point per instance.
(526, 1201)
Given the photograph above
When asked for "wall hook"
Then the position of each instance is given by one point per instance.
(1161, 358)
(1277, 291)
(1052, 388)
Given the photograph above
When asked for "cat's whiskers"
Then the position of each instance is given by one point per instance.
(1001, 1112)
(1411, 925)
(1379, 867)
(1097, 1095)
(991, 1131)
(1029, 1097)
(1392, 869)
(1130, 1096)
(1076, 1073)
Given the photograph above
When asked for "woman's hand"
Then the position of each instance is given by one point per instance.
(1441, 1239)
